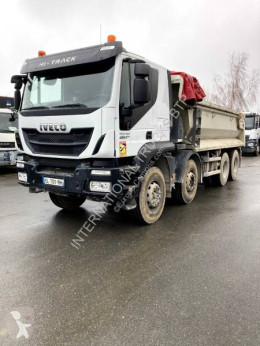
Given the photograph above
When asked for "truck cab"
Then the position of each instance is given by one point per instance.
(80, 102)
(7, 138)
(252, 133)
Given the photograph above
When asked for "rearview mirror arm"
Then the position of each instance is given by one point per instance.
(14, 115)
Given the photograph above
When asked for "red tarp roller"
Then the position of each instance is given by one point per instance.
(192, 91)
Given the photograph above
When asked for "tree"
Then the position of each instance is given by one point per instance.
(239, 89)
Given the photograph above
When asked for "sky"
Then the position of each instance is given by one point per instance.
(197, 37)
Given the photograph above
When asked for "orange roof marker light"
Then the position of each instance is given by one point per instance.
(41, 53)
(111, 38)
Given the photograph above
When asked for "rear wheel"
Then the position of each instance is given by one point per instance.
(185, 192)
(222, 178)
(67, 202)
(234, 165)
(151, 201)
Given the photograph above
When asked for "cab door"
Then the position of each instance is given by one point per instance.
(138, 93)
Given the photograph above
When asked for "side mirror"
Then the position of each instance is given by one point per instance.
(17, 99)
(19, 78)
(141, 91)
(18, 81)
(142, 84)
(142, 70)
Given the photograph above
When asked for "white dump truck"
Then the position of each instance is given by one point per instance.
(7, 138)
(105, 124)
(252, 133)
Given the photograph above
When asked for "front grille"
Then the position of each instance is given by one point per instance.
(67, 144)
(7, 145)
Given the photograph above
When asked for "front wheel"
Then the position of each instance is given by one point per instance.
(67, 202)
(185, 192)
(151, 201)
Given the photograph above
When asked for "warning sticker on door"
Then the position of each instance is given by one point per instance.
(122, 148)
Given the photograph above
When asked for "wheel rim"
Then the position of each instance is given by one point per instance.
(190, 181)
(151, 200)
(154, 195)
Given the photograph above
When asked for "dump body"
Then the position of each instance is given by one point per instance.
(220, 128)
(214, 127)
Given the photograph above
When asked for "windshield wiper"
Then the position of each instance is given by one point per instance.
(37, 107)
(71, 105)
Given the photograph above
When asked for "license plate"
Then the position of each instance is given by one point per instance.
(53, 181)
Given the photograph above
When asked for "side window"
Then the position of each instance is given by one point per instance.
(125, 92)
(132, 78)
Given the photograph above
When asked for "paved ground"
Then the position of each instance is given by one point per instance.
(193, 278)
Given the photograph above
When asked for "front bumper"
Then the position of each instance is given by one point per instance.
(76, 182)
(249, 150)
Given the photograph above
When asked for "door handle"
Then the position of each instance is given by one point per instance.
(149, 135)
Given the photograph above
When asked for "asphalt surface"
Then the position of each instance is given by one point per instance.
(193, 278)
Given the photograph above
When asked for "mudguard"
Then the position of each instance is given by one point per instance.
(181, 159)
(153, 150)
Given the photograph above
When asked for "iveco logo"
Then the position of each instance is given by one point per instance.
(53, 127)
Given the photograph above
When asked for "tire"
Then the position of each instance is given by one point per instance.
(222, 178)
(151, 201)
(234, 165)
(185, 192)
(67, 202)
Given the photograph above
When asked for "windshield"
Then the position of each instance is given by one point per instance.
(85, 86)
(5, 124)
(250, 123)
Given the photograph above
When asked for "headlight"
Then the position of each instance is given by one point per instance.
(100, 172)
(100, 186)
(251, 145)
(22, 177)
